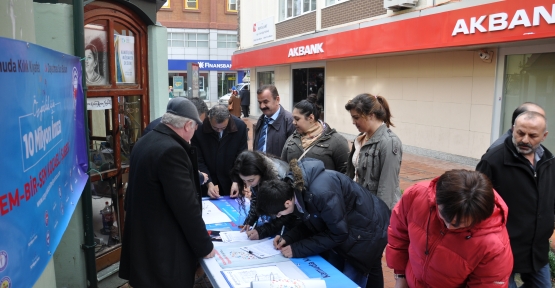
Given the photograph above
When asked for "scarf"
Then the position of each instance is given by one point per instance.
(312, 134)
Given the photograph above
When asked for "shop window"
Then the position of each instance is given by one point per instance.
(191, 4)
(225, 82)
(232, 5)
(227, 41)
(331, 2)
(529, 78)
(265, 78)
(166, 5)
(196, 40)
(294, 8)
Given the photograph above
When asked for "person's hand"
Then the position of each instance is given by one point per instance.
(252, 234)
(245, 228)
(286, 251)
(279, 242)
(234, 190)
(205, 178)
(211, 254)
(247, 192)
(213, 191)
(401, 283)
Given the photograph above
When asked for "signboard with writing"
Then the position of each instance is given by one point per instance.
(263, 31)
(125, 58)
(45, 161)
(203, 65)
(99, 103)
(178, 83)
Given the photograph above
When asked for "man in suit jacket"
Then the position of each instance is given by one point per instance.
(275, 126)
(219, 139)
(164, 231)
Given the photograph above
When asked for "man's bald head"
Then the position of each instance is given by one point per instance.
(526, 106)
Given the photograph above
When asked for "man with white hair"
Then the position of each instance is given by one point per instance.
(521, 171)
(164, 231)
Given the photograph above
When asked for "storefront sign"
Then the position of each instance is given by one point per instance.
(513, 20)
(99, 103)
(45, 159)
(306, 50)
(499, 21)
(203, 65)
(263, 31)
(125, 58)
(178, 84)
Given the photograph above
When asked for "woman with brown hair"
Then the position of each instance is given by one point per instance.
(375, 159)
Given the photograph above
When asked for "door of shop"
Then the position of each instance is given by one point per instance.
(307, 81)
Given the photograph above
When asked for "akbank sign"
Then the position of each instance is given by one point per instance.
(500, 21)
(306, 50)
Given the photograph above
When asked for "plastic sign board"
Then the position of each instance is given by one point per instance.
(263, 31)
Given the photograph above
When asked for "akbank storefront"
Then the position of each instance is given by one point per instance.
(452, 74)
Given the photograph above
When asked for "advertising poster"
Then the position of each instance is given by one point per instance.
(44, 160)
(125, 58)
(96, 66)
(178, 84)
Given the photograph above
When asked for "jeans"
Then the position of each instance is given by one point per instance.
(374, 279)
(539, 279)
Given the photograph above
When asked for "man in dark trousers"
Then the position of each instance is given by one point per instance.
(275, 126)
(522, 172)
(245, 95)
(164, 232)
(219, 139)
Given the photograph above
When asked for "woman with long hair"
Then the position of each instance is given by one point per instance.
(315, 138)
(252, 168)
(92, 68)
(375, 159)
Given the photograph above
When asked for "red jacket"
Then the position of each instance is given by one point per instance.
(477, 257)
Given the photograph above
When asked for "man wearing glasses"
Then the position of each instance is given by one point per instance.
(219, 139)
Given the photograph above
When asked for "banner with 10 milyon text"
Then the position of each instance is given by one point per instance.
(44, 161)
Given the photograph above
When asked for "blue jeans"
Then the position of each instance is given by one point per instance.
(353, 274)
(374, 278)
(539, 279)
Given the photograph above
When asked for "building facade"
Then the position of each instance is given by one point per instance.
(452, 71)
(203, 32)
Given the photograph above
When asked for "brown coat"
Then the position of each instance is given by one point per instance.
(236, 111)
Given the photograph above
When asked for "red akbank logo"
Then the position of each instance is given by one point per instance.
(499, 21)
(254, 27)
(306, 50)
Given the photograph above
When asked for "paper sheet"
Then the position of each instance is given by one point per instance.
(211, 214)
(263, 249)
(290, 283)
(234, 236)
(242, 278)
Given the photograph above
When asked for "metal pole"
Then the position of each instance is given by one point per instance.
(86, 196)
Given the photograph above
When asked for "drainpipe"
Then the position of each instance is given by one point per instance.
(86, 196)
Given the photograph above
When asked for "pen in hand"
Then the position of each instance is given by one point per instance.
(253, 226)
(281, 234)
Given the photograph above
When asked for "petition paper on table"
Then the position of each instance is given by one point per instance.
(211, 214)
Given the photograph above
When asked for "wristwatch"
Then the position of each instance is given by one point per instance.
(399, 276)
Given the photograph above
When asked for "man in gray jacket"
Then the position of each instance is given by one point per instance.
(275, 126)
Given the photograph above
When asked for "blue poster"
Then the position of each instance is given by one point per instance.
(44, 161)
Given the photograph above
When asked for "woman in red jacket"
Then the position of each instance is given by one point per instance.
(450, 232)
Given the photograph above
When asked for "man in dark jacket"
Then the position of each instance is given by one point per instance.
(526, 106)
(337, 214)
(521, 171)
(219, 139)
(275, 126)
(164, 231)
(245, 95)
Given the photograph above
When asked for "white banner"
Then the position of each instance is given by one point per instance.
(125, 58)
(263, 31)
(99, 103)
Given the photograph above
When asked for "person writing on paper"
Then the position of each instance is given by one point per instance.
(250, 170)
(164, 232)
(219, 140)
(337, 213)
(450, 232)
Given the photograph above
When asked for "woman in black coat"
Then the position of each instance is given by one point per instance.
(337, 214)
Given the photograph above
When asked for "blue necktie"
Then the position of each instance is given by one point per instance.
(263, 134)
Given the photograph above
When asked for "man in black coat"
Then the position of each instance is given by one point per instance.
(219, 139)
(274, 127)
(337, 214)
(522, 172)
(245, 95)
(164, 231)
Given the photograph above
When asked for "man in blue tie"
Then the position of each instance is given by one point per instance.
(275, 126)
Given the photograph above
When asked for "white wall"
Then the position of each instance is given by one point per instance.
(253, 11)
(440, 101)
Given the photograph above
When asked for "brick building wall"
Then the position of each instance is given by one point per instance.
(298, 25)
(351, 11)
(211, 14)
